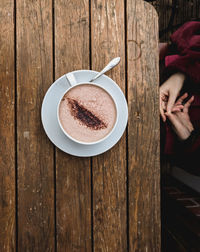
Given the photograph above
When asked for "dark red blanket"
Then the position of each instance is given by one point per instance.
(185, 57)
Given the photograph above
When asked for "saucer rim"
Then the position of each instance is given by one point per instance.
(53, 85)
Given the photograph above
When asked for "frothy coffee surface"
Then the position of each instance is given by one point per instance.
(87, 113)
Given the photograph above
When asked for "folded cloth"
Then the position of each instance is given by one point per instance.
(186, 59)
(184, 56)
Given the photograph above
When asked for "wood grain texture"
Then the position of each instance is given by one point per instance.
(7, 127)
(143, 127)
(35, 152)
(109, 169)
(73, 180)
(91, 205)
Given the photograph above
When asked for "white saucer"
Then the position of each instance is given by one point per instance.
(52, 128)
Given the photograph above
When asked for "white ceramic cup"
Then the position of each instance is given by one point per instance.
(73, 83)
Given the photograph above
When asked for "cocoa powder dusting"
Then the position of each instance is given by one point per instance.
(85, 116)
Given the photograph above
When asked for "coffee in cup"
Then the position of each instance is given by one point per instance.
(87, 113)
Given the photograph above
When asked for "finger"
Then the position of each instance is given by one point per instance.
(164, 97)
(174, 120)
(162, 113)
(171, 102)
(187, 104)
(163, 103)
(177, 108)
(162, 109)
(163, 117)
(181, 99)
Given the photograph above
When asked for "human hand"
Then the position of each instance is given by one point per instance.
(180, 119)
(169, 91)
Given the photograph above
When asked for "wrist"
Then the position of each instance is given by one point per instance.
(187, 133)
(194, 135)
(179, 76)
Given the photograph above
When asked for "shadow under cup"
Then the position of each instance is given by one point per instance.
(87, 113)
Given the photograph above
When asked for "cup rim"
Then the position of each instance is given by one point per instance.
(70, 137)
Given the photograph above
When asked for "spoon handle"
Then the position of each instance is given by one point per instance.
(110, 65)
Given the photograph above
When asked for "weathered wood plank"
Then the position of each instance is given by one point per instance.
(73, 181)
(7, 128)
(109, 169)
(143, 127)
(35, 152)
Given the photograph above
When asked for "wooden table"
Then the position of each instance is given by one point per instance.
(49, 200)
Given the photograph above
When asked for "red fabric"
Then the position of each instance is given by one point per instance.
(186, 60)
(194, 113)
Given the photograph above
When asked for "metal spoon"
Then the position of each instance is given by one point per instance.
(110, 65)
(72, 80)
